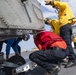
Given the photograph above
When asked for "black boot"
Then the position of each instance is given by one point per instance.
(17, 53)
(7, 56)
(54, 70)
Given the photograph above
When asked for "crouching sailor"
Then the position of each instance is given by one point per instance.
(52, 49)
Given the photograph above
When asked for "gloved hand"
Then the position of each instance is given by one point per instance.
(45, 20)
(27, 37)
(49, 2)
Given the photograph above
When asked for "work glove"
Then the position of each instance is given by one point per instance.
(45, 20)
(49, 2)
(27, 37)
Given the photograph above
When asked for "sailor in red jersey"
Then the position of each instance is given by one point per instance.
(52, 48)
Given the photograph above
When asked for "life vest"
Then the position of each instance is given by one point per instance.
(48, 39)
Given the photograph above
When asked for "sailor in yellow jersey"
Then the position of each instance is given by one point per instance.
(54, 25)
(66, 18)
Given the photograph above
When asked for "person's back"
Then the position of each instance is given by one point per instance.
(49, 39)
(65, 13)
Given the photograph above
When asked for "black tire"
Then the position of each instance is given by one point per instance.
(17, 60)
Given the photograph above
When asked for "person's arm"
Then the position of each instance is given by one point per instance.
(57, 4)
(38, 43)
(60, 5)
(73, 21)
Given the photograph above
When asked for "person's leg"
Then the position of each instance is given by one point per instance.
(8, 46)
(1, 44)
(65, 33)
(14, 46)
(19, 49)
(46, 58)
(75, 45)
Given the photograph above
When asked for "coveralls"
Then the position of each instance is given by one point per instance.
(12, 43)
(66, 17)
(1, 44)
(48, 42)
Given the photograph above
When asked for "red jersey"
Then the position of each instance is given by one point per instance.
(47, 39)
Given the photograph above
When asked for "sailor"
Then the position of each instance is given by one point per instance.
(14, 44)
(66, 19)
(52, 48)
